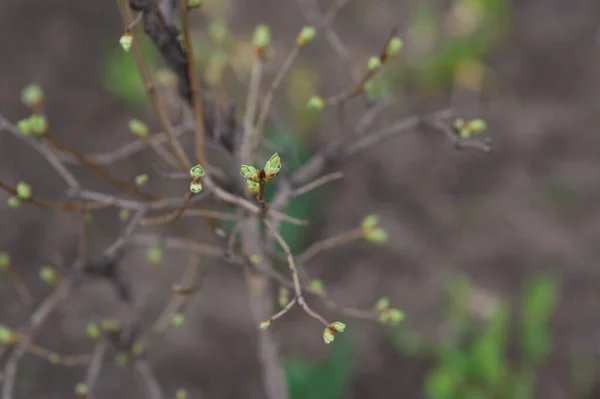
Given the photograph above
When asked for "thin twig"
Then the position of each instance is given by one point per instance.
(43, 149)
(196, 103)
(317, 183)
(329, 243)
(250, 113)
(155, 98)
(256, 133)
(95, 365)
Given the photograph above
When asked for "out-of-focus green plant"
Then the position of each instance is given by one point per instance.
(121, 76)
(475, 363)
(326, 379)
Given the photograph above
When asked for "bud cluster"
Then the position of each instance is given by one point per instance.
(371, 232)
(255, 177)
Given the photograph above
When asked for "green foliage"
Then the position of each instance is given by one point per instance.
(475, 363)
(539, 300)
(326, 379)
(121, 76)
(436, 68)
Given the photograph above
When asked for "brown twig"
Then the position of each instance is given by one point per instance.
(196, 103)
(329, 243)
(155, 98)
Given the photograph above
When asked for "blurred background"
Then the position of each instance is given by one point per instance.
(493, 258)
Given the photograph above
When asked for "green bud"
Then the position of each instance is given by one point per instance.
(7, 336)
(139, 128)
(284, 296)
(126, 41)
(272, 167)
(93, 331)
(465, 133)
(307, 34)
(138, 349)
(82, 390)
(254, 259)
(48, 275)
(369, 222)
(155, 255)
(110, 325)
(265, 324)
(250, 173)
(14, 202)
(38, 125)
(459, 124)
(374, 63)
(32, 95)
(181, 394)
(262, 37)
(316, 102)
(395, 317)
(140, 180)
(253, 188)
(124, 214)
(4, 261)
(394, 46)
(337, 326)
(23, 191)
(24, 125)
(476, 125)
(177, 320)
(194, 3)
(197, 172)
(328, 335)
(377, 236)
(54, 358)
(196, 187)
(317, 285)
(382, 304)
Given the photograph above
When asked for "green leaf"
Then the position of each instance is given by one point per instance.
(121, 76)
(539, 301)
(459, 292)
(327, 379)
(488, 358)
(523, 386)
(441, 383)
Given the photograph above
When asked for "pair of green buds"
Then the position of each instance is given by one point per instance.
(196, 173)
(466, 130)
(255, 177)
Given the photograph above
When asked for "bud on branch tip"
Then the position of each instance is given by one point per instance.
(272, 167)
(331, 330)
(307, 34)
(197, 172)
(126, 41)
(250, 173)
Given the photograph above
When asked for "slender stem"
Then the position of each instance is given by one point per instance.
(295, 277)
(59, 206)
(329, 243)
(317, 183)
(261, 199)
(254, 140)
(250, 113)
(155, 99)
(101, 172)
(196, 102)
